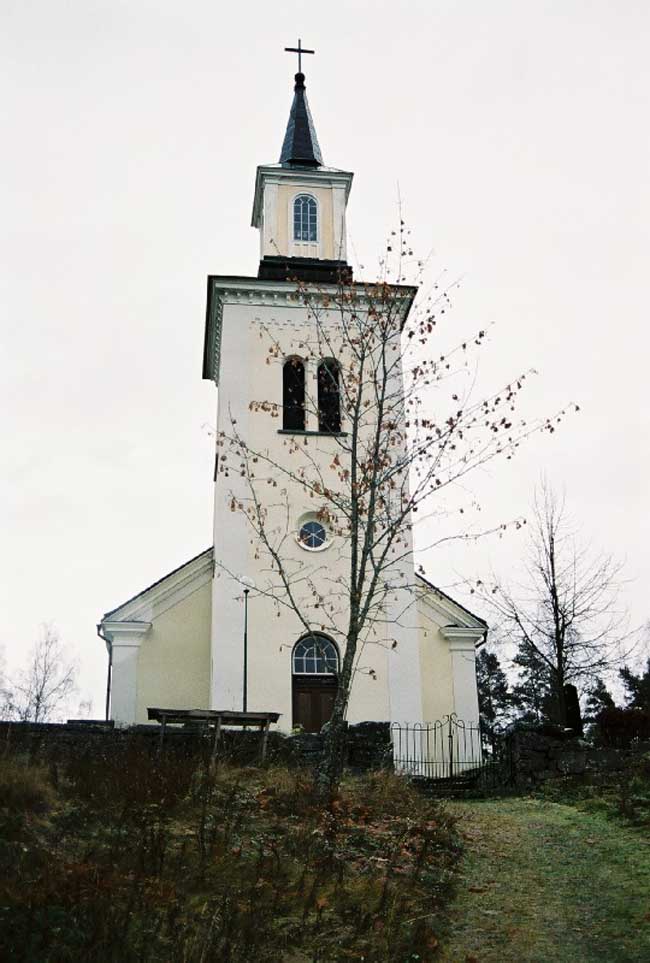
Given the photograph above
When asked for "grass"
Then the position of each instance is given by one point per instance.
(544, 881)
(624, 794)
(132, 858)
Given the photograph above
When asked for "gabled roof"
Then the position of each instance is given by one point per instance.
(162, 588)
(455, 609)
(300, 146)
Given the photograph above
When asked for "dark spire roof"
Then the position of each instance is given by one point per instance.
(300, 145)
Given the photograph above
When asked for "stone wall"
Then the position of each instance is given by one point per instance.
(545, 752)
(369, 744)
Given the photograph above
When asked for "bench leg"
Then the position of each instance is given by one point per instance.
(215, 745)
(265, 739)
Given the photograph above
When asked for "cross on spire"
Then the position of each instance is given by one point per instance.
(300, 50)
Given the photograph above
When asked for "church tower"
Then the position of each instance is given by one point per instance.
(257, 353)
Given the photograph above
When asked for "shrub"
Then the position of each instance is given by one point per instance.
(24, 789)
(619, 728)
(386, 793)
(244, 866)
(634, 797)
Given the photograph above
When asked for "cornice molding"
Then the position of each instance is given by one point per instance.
(256, 292)
(127, 634)
(461, 638)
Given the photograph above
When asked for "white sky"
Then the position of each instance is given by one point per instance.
(518, 133)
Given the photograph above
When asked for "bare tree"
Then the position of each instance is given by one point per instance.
(405, 428)
(41, 691)
(6, 694)
(564, 613)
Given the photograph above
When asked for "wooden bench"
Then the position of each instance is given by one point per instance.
(217, 718)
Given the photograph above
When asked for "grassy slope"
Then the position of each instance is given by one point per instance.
(545, 882)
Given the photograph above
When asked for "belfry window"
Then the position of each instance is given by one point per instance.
(329, 402)
(305, 218)
(293, 395)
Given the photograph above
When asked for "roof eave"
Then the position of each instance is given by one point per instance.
(454, 602)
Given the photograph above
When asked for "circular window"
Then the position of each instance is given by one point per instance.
(312, 535)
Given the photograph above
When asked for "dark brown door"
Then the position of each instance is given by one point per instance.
(313, 700)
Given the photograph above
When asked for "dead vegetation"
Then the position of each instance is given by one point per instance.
(131, 857)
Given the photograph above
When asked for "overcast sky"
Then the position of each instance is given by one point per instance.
(518, 133)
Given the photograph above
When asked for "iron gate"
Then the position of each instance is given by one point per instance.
(453, 756)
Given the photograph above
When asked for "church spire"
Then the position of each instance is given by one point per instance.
(300, 147)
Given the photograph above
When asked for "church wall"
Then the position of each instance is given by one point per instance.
(435, 665)
(270, 645)
(174, 657)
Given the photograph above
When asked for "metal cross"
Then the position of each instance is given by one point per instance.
(300, 50)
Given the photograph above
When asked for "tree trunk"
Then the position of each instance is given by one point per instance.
(331, 766)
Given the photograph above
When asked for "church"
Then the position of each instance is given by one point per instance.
(216, 633)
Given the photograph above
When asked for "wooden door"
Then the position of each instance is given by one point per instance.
(313, 700)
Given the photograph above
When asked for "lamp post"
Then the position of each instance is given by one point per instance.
(246, 591)
(248, 584)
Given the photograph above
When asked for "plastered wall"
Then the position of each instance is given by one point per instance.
(174, 657)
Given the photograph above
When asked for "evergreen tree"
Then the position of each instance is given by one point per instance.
(494, 695)
(599, 698)
(637, 687)
(533, 695)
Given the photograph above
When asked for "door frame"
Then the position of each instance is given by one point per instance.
(310, 683)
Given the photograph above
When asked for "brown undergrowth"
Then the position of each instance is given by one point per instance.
(133, 857)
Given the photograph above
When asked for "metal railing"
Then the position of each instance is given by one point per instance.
(451, 751)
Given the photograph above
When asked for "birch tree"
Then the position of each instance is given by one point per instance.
(45, 687)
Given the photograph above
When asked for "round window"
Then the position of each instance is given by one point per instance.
(312, 535)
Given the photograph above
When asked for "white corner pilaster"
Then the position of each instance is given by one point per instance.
(125, 639)
(269, 227)
(462, 647)
(338, 219)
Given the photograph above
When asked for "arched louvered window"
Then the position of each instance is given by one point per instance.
(293, 395)
(305, 218)
(329, 402)
(315, 655)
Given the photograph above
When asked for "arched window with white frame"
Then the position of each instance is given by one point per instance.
(315, 655)
(305, 227)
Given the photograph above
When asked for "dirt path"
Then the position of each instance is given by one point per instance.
(546, 882)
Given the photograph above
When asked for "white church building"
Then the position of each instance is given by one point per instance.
(205, 636)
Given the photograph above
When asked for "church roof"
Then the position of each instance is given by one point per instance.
(204, 556)
(454, 603)
(300, 147)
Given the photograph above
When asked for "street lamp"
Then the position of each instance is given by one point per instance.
(249, 583)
